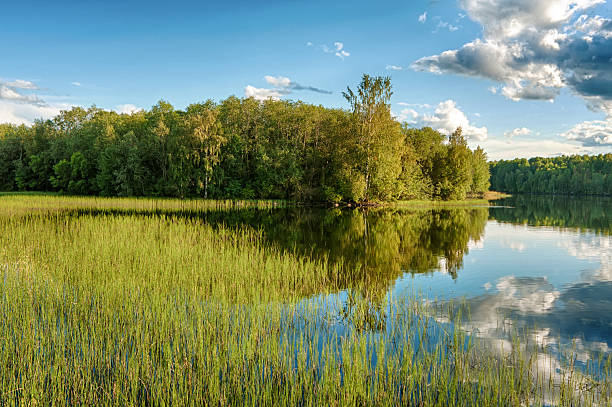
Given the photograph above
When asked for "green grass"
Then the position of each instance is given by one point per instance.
(427, 204)
(148, 308)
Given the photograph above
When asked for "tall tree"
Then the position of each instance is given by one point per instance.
(378, 141)
(206, 138)
(480, 172)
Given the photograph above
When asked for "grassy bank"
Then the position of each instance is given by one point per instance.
(441, 204)
(150, 308)
(493, 195)
(469, 202)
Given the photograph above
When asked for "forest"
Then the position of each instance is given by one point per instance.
(244, 149)
(564, 175)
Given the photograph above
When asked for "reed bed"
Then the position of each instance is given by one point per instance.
(31, 203)
(97, 308)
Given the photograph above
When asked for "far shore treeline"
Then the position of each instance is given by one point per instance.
(244, 149)
(565, 175)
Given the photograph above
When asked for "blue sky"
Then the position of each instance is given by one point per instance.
(523, 77)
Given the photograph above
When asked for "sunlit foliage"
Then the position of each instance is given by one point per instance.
(243, 149)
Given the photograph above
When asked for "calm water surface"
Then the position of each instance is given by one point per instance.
(539, 264)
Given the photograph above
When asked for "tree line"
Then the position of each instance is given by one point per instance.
(570, 175)
(244, 149)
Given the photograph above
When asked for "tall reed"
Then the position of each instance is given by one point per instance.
(101, 308)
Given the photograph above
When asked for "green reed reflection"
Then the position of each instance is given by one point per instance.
(372, 247)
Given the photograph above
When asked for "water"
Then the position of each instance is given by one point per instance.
(537, 265)
(544, 268)
(541, 266)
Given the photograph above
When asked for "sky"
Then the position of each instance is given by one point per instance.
(522, 78)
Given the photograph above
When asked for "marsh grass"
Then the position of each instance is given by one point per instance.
(97, 308)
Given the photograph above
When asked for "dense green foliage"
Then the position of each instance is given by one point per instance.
(570, 175)
(132, 302)
(243, 149)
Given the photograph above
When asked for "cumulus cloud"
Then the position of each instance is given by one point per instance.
(535, 48)
(523, 131)
(446, 118)
(128, 109)
(261, 93)
(510, 18)
(78, 84)
(281, 86)
(22, 113)
(423, 17)
(591, 133)
(409, 116)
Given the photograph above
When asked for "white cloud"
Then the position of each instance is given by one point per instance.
(340, 52)
(534, 48)
(278, 81)
(522, 131)
(281, 86)
(13, 91)
(78, 84)
(261, 93)
(394, 68)
(408, 115)
(22, 113)
(593, 26)
(444, 24)
(511, 18)
(447, 117)
(128, 109)
(337, 49)
(423, 17)
(22, 84)
(508, 149)
(420, 105)
(19, 105)
(591, 133)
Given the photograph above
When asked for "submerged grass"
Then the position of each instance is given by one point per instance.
(166, 310)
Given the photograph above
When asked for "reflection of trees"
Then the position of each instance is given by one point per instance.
(557, 211)
(370, 248)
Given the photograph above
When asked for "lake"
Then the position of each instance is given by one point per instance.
(387, 305)
(541, 265)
